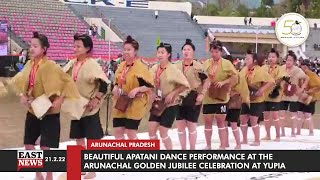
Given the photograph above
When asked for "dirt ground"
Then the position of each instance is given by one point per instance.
(12, 117)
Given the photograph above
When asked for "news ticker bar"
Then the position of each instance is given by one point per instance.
(200, 161)
(160, 161)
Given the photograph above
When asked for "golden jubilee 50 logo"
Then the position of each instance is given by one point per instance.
(292, 29)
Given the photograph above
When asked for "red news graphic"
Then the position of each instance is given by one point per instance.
(123, 144)
(30, 159)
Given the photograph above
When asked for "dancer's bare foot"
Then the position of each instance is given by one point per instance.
(222, 148)
(277, 139)
(237, 147)
(228, 145)
(49, 176)
(90, 175)
(244, 142)
(311, 133)
(256, 143)
(37, 141)
(293, 135)
(39, 176)
(266, 138)
(207, 148)
(283, 135)
(298, 133)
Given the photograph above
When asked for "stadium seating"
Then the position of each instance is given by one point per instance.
(172, 26)
(53, 19)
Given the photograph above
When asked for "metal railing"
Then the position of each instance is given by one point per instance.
(18, 40)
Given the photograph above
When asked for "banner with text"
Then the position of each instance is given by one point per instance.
(200, 161)
(76, 160)
(3, 37)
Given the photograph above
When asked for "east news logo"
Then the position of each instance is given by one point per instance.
(30, 159)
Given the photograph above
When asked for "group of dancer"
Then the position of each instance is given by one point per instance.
(81, 77)
(170, 91)
(181, 90)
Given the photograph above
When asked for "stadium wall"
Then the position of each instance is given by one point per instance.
(109, 34)
(312, 48)
(171, 6)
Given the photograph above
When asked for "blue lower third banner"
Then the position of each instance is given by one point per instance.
(163, 161)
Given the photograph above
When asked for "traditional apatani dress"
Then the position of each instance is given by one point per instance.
(218, 71)
(308, 106)
(90, 79)
(166, 80)
(195, 75)
(274, 103)
(128, 77)
(291, 103)
(239, 95)
(40, 81)
(256, 77)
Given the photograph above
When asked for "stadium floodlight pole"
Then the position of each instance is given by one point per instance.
(110, 39)
(109, 95)
(107, 121)
(256, 38)
(207, 7)
(10, 45)
(9, 32)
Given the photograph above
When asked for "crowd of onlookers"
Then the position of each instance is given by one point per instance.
(314, 65)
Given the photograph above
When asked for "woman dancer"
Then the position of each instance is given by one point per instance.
(92, 84)
(273, 97)
(216, 92)
(133, 81)
(190, 109)
(308, 99)
(239, 95)
(40, 76)
(259, 81)
(170, 85)
(292, 90)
